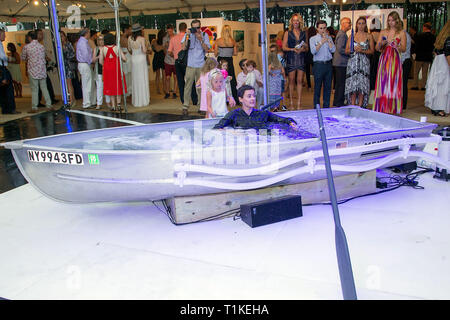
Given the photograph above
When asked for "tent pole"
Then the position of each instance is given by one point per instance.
(265, 68)
(59, 54)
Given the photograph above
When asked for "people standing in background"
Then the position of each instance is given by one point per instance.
(40, 39)
(216, 95)
(180, 69)
(424, 55)
(112, 74)
(223, 65)
(158, 60)
(295, 45)
(140, 82)
(202, 83)
(197, 44)
(322, 48)
(276, 76)
(7, 102)
(225, 49)
(279, 39)
(357, 82)
(169, 64)
(405, 58)
(84, 57)
(70, 66)
(98, 70)
(34, 55)
(375, 57)
(126, 65)
(14, 69)
(309, 57)
(388, 88)
(437, 95)
(340, 60)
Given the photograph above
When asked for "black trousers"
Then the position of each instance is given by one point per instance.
(407, 64)
(180, 71)
(339, 91)
(7, 102)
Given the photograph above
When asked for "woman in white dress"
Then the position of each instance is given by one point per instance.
(139, 69)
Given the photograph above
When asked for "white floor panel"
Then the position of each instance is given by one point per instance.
(399, 245)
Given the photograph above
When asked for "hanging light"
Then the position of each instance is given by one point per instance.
(36, 2)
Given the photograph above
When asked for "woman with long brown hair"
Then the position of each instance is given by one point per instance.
(357, 82)
(388, 87)
(14, 69)
(224, 49)
(295, 44)
(70, 66)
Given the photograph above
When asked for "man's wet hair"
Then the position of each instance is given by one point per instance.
(241, 90)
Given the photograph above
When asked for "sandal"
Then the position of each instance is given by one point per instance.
(441, 114)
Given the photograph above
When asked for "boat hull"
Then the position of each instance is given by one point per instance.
(110, 175)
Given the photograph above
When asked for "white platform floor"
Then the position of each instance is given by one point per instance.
(399, 245)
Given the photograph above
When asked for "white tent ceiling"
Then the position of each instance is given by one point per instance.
(27, 10)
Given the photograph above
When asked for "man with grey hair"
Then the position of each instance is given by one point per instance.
(340, 59)
(84, 58)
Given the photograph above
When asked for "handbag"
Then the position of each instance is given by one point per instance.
(183, 55)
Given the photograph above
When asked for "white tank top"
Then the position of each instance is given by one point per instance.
(219, 103)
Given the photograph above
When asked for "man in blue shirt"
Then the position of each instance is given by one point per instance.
(322, 49)
(198, 46)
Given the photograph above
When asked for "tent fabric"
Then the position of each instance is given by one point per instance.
(26, 10)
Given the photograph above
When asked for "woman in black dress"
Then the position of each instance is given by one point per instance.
(295, 45)
(158, 59)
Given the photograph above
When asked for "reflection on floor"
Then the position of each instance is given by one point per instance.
(50, 123)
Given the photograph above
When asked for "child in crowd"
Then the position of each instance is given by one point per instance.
(276, 75)
(202, 82)
(223, 65)
(251, 75)
(217, 96)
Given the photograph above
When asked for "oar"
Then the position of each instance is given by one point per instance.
(343, 256)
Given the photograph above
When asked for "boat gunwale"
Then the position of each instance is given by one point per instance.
(25, 142)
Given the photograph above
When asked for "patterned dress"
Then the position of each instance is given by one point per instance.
(358, 74)
(388, 86)
(70, 65)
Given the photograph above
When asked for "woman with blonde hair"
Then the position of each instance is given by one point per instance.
(295, 44)
(437, 94)
(388, 87)
(224, 49)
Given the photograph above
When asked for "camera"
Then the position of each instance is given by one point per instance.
(193, 30)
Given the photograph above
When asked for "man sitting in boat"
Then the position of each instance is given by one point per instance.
(248, 117)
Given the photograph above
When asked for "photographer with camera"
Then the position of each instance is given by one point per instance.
(197, 44)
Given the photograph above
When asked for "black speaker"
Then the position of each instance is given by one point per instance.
(270, 211)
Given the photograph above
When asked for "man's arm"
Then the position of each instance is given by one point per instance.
(226, 121)
(341, 43)
(313, 45)
(205, 43)
(272, 117)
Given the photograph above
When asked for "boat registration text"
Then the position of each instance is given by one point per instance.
(55, 157)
